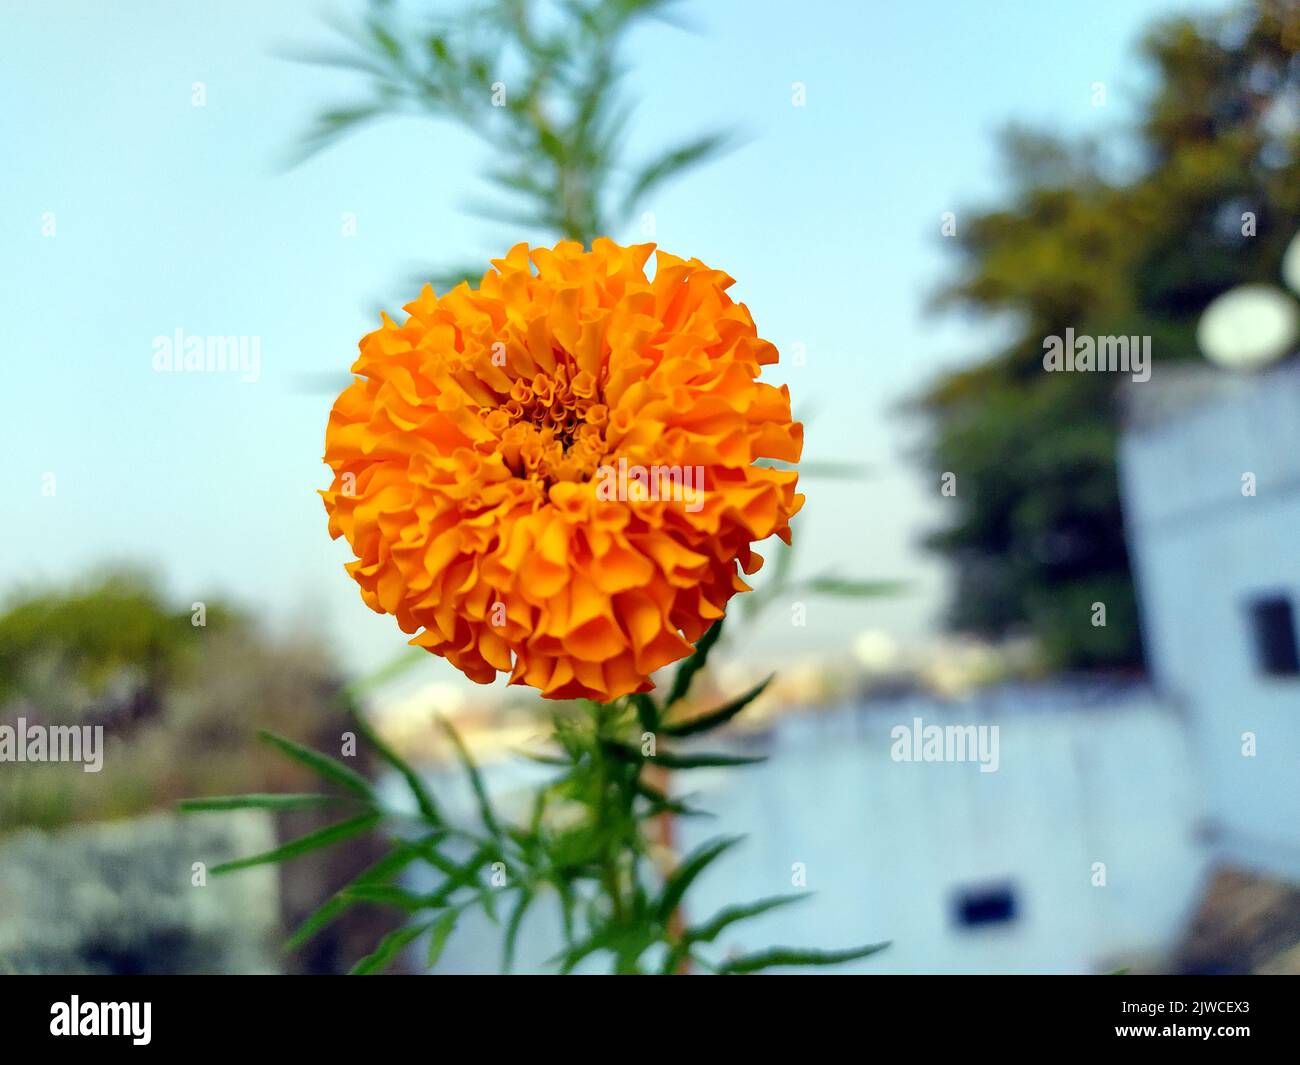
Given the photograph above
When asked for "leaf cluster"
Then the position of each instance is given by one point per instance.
(584, 844)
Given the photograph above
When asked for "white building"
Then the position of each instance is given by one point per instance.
(1210, 466)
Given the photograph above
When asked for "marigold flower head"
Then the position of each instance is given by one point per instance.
(555, 475)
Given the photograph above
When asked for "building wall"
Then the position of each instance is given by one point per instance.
(1203, 550)
(888, 848)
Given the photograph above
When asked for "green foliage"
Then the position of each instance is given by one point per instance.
(88, 635)
(110, 649)
(584, 846)
(724, 713)
(275, 803)
(786, 957)
(541, 89)
(329, 768)
(693, 664)
(323, 837)
(1035, 531)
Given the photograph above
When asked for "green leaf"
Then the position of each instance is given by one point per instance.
(310, 842)
(752, 963)
(423, 799)
(462, 875)
(475, 778)
(627, 753)
(694, 864)
(341, 60)
(710, 930)
(671, 163)
(512, 929)
(339, 902)
(720, 716)
(388, 895)
(389, 947)
(330, 126)
(603, 939)
(702, 761)
(257, 802)
(687, 670)
(321, 764)
(442, 929)
(663, 803)
(382, 37)
(647, 713)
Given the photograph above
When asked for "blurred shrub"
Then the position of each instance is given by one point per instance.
(178, 702)
(180, 705)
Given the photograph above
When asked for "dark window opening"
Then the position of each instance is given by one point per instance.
(1276, 649)
(991, 904)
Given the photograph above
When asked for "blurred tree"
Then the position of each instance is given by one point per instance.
(177, 702)
(105, 649)
(1036, 535)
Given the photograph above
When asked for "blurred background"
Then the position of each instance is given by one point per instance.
(1102, 566)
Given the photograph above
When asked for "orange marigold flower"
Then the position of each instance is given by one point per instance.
(555, 475)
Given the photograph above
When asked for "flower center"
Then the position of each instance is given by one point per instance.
(552, 427)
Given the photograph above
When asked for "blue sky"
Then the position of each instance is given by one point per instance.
(173, 216)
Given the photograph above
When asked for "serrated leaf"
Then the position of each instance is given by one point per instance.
(338, 903)
(711, 929)
(460, 875)
(687, 670)
(280, 802)
(389, 947)
(718, 717)
(312, 841)
(670, 760)
(752, 963)
(662, 803)
(694, 864)
(320, 764)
